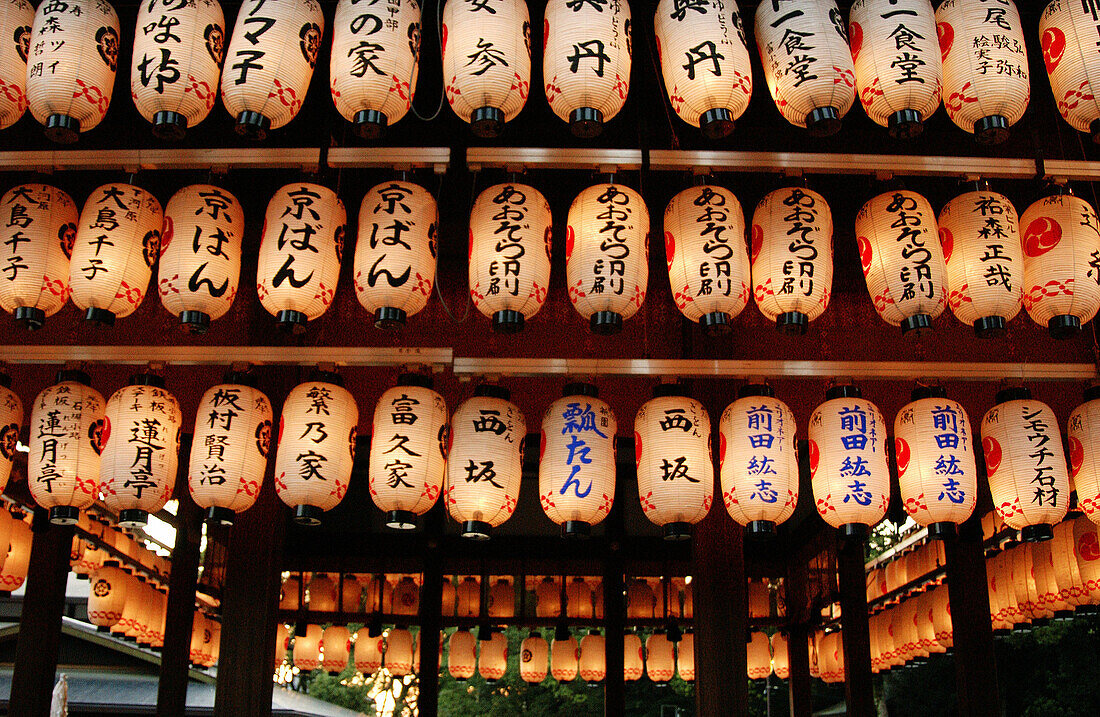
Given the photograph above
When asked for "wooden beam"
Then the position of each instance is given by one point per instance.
(858, 686)
(614, 609)
(798, 686)
(431, 610)
(132, 160)
(397, 158)
(254, 354)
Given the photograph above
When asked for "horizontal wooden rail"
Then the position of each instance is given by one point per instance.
(519, 158)
(399, 158)
(134, 160)
(226, 355)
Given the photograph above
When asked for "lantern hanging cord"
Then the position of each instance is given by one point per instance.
(438, 291)
(443, 84)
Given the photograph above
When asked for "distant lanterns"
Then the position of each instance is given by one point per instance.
(510, 243)
(713, 87)
(269, 63)
(1084, 440)
(811, 89)
(757, 460)
(660, 658)
(675, 467)
(493, 658)
(1025, 463)
(70, 79)
(633, 660)
(564, 659)
(15, 28)
(200, 273)
(985, 71)
(685, 657)
(607, 255)
(406, 597)
(399, 652)
(641, 603)
(395, 255)
(534, 656)
(902, 259)
(548, 598)
(307, 647)
(577, 460)
(586, 62)
(1061, 238)
(335, 645)
(592, 664)
(106, 595)
(780, 657)
(502, 600)
(374, 64)
(759, 656)
(897, 62)
(14, 572)
(368, 651)
(578, 599)
(141, 443)
(316, 447)
(117, 243)
(408, 450)
(1065, 27)
(462, 655)
(468, 597)
(851, 480)
(11, 423)
(300, 251)
(708, 264)
(980, 238)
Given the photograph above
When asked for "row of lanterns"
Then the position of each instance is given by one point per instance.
(333, 647)
(768, 656)
(814, 64)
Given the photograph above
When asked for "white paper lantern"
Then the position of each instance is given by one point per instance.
(307, 647)
(633, 660)
(902, 259)
(534, 657)
(1084, 437)
(592, 664)
(577, 460)
(986, 81)
(685, 657)
(14, 571)
(322, 594)
(502, 599)
(117, 243)
(493, 658)
(780, 657)
(11, 421)
(368, 651)
(270, 62)
(462, 655)
(395, 255)
(548, 597)
(510, 244)
(468, 597)
(660, 661)
(15, 27)
(406, 597)
(106, 595)
(336, 648)
(398, 657)
(1066, 29)
(607, 255)
(578, 599)
(564, 659)
(641, 603)
(759, 656)
(586, 56)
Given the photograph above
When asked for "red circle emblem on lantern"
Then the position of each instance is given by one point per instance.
(569, 238)
(864, 253)
(1054, 46)
(946, 34)
(670, 248)
(855, 39)
(902, 454)
(1042, 235)
(1088, 546)
(1076, 455)
(992, 451)
(545, 34)
(757, 241)
(947, 242)
(443, 41)
(815, 456)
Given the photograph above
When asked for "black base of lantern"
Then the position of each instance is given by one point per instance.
(843, 390)
(401, 520)
(992, 129)
(1041, 622)
(1001, 632)
(132, 518)
(389, 318)
(307, 515)
(130, 638)
(586, 122)
(792, 323)
(252, 125)
(290, 321)
(62, 129)
(854, 532)
(490, 681)
(823, 122)
(594, 684)
(30, 316)
(918, 323)
(606, 323)
(716, 323)
(171, 126)
(575, 529)
(942, 530)
(102, 628)
(716, 123)
(222, 516)
(1063, 614)
(197, 322)
(64, 515)
(508, 322)
(487, 122)
(370, 124)
(1037, 533)
(476, 530)
(990, 327)
(660, 685)
(677, 531)
(761, 530)
(1064, 326)
(905, 124)
(100, 316)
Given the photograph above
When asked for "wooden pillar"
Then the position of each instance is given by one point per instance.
(431, 615)
(798, 688)
(614, 612)
(858, 686)
(40, 622)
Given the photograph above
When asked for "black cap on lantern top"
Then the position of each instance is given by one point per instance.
(307, 515)
(487, 122)
(492, 390)
(917, 324)
(241, 378)
(905, 124)
(927, 392)
(401, 520)
(64, 515)
(854, 532)
(942, 530)
(1037, 533)
(605, 323)
(990, 327)
(99, 316)
(132, 518)
(326, 377)
(586, 122)
(842, 390)
(5, 380)
(414, 379)
(31, 317)
(252, 125)
(716, 323)
(992, 129)
(823, 121)
(575, 529)
(389, 318)
(197, 322)
(716, 123)
(147, 379)
(69, 374)
(761, 530)
(219, 515)
(476, 530)
(507, 321)
(561, 632)
(370, 124)
(1092, 392)
(291, 322)
(1012, 393)
(580, 388)
(755, 389)
(1064, 326)
(171, 126)
(662, 390)
(62, 129)
(677, 531)
(792, 323)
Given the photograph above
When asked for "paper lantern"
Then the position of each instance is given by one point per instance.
(760, 479)
(607, 255)
(368, 651)
(406, 597)
(117, 243)
(290, 595)
(592, 664)
(270, 62)
(449, 598)
(980, 238)
(759, 656)
(282, 642)
(780, 658)
(502, 599)
(792, 257)
(398, 657)
(66, 437)
(1065, 29)
(633, 660)
(1061, 237)
(704, 62)
(316, 447)
(897, 62)
(902, 259)
(1025, 463)
(510, 246)
(15, 28)
(685, 657)
(307, 647)
(934, 451)
(1084, 537)
(493, 659)
(660, 662)
(548, 598)
(586, 55)
(468, 597)
(759, 600)
(641, 603)
(38, 239)
(1084, 433)
(70, 78)
(215, 642)
(395, 272)
(11, 421)
(335, 649)
(15, 565)
(408, 450)
(106, 595)
(564, 659)
(1071, 587)
(578, 599)
(534, 656)
(300, 253)
(485, 463)
(1045, 581)
(848, 447)
(374, 63)
(985, 70)
(229, 450)
(462, 655)
(832, 645)
(322, 593)
(141, 443)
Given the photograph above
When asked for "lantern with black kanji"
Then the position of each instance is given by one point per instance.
(577, 460)
(660, 658)
(1084, 434)
(1025, 463)
(564, 659)
(395, 254)
(986, 81)
(492, 659)
(15, 28)
(199, 274)
(368, 651)
(408, 450)
(117, 243)
(71, 77)
(462, 655)
(672, 453)
(757, 459)
(106, 595)
(902, 260)
(510, 245)
(300, 253)
(534, 657)
(11, 422)
(399, 649)
(1066, 32)
(592, 663)
(633, 658)
(848, 450)
(607, 255)
(307, 647)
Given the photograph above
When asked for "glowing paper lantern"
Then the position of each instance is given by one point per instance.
(660, 662)
(641, 603)
(449, 598)
(230, 447)
(985, 72)
(15, 28)
(1025, 463)
(759, 656)
(117, 243)
(564, 659)
(398, 657)
(685, 657)
(759, 600)
(1084, 433)
(282, 642)
(289, 597)
(592, 665)
(406, 597)
(462, 655)
(980, 238)
(902, 259)
(633, 661)
(368, 651)
(578, 599)
(322, 593)
(940, 611)
(510, 244)
(1064, 29)
(11, 420)
(708, 265)
(395, 255)
(548, 598)
(408, 450)
(300, 252)
(493, 658)
(70, 78)
(780, 658)
(14, 571)
(468, 597)
(106, 595)
(534, 656)
(335, 647)
(760, 477)
(577, 460)
(307, 648)
(350, 594)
